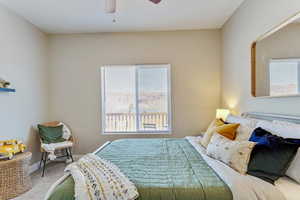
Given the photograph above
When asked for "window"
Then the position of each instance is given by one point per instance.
(284, 77)
(136, 99)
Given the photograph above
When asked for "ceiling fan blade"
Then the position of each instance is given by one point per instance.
(155, 1)
(110, 6)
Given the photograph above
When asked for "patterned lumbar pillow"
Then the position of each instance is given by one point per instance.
(235, 154)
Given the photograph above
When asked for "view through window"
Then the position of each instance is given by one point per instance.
(136, 99)
(284, 77)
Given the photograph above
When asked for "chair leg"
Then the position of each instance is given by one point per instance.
(45, 161)
(42, 159)
(67, 153)
(70, 152)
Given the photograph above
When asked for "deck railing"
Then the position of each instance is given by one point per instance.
(125, 122)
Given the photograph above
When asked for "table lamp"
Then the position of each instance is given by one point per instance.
(222, 114)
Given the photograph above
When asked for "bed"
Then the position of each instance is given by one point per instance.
(160, 169)
(178, 169)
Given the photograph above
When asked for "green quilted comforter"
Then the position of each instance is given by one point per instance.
(161, 169)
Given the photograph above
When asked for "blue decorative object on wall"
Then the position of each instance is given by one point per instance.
(7, 90)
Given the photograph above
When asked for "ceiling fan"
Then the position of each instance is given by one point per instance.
(110, 5)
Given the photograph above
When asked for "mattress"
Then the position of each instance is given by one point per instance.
(167, 169)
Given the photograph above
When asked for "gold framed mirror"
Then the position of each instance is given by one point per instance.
(275, 61)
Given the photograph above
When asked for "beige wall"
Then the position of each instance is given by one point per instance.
(252, 19)
(23, 62)
(75, 80)
(284, 43)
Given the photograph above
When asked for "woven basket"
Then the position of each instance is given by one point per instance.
(14, 176)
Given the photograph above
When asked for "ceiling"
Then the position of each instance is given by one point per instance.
(87, 16)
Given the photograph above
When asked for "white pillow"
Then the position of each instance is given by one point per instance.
(294, 169)
(241, 120)
(246, 126)
(282, 129)
(235, 154)
(292, 129)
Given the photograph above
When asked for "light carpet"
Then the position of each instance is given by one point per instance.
(40, 185)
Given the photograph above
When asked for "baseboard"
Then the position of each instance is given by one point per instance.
(35, 166)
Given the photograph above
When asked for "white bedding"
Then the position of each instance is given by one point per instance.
(243, 187)
(289, 188)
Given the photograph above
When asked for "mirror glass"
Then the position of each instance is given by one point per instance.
(276, 61)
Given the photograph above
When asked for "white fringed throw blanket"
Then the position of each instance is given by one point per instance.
(97, 179)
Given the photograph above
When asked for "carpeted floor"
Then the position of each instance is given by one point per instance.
(41, 185)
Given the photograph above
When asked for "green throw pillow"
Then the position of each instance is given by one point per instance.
(51, 134)
(271, 156)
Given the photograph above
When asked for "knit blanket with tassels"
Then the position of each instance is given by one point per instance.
(98, 179)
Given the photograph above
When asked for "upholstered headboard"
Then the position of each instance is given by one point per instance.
(271, 117)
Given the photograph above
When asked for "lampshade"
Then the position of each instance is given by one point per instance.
(222, 114)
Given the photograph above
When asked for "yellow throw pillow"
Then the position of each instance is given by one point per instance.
(210, 131)
(228, 130)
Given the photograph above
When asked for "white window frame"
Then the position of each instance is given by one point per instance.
(137, 67)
